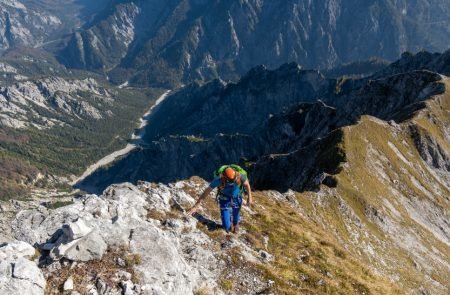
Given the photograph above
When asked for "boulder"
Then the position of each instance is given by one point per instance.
(17, 249)
(24, 269)
(163, 269)
(127, 288)
(90, 247)
(76, 230)
(265, 256)
(20, 276)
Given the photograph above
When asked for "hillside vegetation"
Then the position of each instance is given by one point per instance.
(72, 145)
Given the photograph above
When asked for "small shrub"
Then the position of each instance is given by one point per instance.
(59, 204)
(133, 259)
(203, 291)
(156, 214)
(339, 253)
(226, 285)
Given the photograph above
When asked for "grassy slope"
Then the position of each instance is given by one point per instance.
(70, 149)
(389, 204)
(307, 259)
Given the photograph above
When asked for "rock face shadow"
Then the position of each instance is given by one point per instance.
(211, 225)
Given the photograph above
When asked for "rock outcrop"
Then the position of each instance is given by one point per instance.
(29, 103)
(19, 275)
(77, 242)
(35, 24)
(118, 218)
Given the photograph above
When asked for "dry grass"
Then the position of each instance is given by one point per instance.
(84, 274)
(226, 285)
(307, 260)
(164, 215)
(203, 291)
(156, 214)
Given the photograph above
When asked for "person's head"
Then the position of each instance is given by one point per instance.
(230, 174)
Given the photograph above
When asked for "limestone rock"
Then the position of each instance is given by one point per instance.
(163, 269)
(68, 284)
(76, 230)
(20, 276)
(265, 256)
(17, 249)
(174, 258)
(87, 248)
(127, 287)
(27, 270)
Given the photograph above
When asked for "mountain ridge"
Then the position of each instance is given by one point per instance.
(191, 42)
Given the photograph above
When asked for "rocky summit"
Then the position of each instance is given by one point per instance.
(137, 240)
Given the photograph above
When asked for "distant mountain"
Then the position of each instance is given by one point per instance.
(54, 122)
(357, 69)
(176, 41)
(38, 23)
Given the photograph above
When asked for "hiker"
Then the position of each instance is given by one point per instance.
(231, 181)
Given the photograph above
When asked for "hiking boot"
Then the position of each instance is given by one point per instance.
(236, 229)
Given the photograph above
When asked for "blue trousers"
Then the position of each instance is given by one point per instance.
(230, 211)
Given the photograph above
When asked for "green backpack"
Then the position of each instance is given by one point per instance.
(237, 168)
(218, 173)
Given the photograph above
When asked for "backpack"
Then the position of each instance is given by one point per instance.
(218, 173)
(237, 168)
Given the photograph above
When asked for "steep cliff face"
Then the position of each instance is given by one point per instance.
(22, 26)
(242, 107)
(184, 40)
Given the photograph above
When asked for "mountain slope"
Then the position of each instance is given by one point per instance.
(368, 162)
(54, 123)
(399, 195)
(167, 42)
(289, 109)
(38, 23)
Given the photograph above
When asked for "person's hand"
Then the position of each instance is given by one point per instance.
(192, 211)
(249, 202)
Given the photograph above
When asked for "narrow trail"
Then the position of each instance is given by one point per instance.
(136, 140)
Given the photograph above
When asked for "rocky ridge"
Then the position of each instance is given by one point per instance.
(291, 110)
(176, 257)
(187, 40)
(24, 102)
(146, 245)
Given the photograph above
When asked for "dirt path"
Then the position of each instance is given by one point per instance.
(136, 138)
